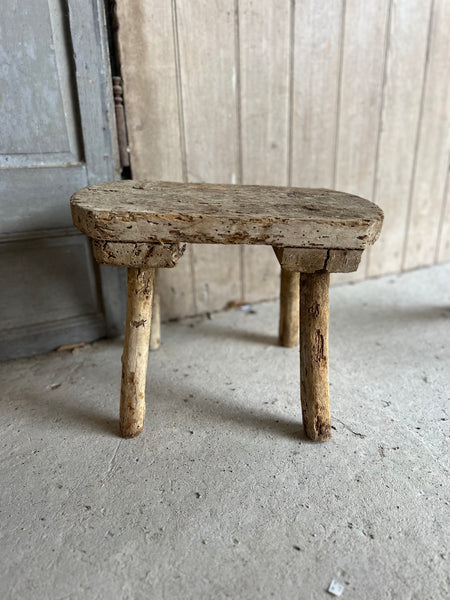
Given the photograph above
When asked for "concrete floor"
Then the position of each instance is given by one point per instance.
(222, 496)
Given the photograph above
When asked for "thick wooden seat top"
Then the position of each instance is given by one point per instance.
(135, 211)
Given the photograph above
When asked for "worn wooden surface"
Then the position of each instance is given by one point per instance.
(365, 27)
(214, 288)
(149, 59)
(260, 274)
(316, 54)
(209, 84)
(264, 33)
(309, 260)
(404, 73)
(314, 319)
(176, 289)
(224, 214)
(357, 75)
(137, 254)
(57, 135)
(264, 36)
(443, 250)
(433, 147)
(66, 309)
(135, 351)
(155, 329)
(288, 327)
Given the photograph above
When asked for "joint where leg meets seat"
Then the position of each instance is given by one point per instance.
(137, 254)
(310, 260)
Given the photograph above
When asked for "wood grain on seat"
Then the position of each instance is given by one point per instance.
(134, 211)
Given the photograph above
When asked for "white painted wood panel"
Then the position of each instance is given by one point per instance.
(216, 275)
(264, 53)
(402, 95)
(443, 248)
(260, 273)
(264, 42)
(206, 38)
(363, 62)
(433, 146)
(316, 64)
(313, 93)
(148, 56)
(207, 41)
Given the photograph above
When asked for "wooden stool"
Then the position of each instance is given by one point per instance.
(142, 226)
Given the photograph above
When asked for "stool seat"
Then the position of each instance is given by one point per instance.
(143, 226)
(134, 211)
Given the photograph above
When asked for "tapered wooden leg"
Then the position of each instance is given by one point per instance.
(314, 318)
(155, 331)
(289, 303)
(135, 351)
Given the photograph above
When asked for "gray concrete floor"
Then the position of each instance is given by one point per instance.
(222, 496)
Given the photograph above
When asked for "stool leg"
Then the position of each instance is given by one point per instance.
(314, 317)
(289, 303)
(135, 351)
(155, 330)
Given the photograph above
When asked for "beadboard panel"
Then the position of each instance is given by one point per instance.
(315, 91)
(149, 56)
(265, 80)
(433, 146)
(364, 40)
(340, 93)
(209, 81)
(405, 68)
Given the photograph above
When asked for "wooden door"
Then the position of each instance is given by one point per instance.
(57, 136)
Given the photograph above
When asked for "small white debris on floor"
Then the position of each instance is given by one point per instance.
(335, 588)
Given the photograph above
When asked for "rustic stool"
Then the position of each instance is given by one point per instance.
(142, 226)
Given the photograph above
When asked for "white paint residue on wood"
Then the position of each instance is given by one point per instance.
(326, 92)
(433, 146)
(402, 95)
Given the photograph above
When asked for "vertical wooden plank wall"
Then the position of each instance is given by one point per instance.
(316, 74)
(332, 93)
(148, 56)
(315, 95)
(443, 250)
(404, 73)
(208, 74)
(265, 78)
(433, 145)
(364, 40)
